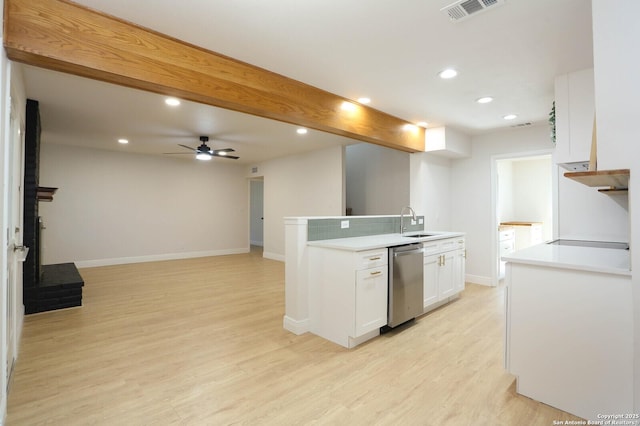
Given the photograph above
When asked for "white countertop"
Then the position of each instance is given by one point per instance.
(373, 242)
(594, 259)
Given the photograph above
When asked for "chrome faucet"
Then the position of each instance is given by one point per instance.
(413, 216)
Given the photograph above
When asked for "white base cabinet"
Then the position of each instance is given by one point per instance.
(349, 290)
(371, 300)
(348, 293)
(567, 338)
(444, 270)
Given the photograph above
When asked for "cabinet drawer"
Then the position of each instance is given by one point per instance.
(448, 245)
(507, 247)
(371, 258)
(507, 234)
(451, 244)
(442, 246)
(431, 247)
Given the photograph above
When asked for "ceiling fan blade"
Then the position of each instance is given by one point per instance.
(188, 147)
(177, 153)
(224, 150)
(232, 157)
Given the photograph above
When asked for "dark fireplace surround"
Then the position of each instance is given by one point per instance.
(45, 287)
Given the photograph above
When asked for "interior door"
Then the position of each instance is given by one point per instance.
(256, 225)
(15, 251)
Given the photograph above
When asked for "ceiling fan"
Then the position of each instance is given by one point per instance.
(203, 152)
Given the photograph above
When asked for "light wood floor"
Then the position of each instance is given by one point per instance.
(200, 342)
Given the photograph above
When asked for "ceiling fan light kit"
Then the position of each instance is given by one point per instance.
(204, 153)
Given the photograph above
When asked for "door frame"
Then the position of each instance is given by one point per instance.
(495, 268)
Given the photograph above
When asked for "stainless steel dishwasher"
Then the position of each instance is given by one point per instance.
(405, 283)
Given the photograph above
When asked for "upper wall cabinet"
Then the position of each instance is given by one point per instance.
(575, 109)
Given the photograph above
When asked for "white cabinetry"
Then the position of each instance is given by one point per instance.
(459, 270)
(348, 294)
(371, 300)
(431, 274)
(528, 235)
(444, 269)
(575, 106)
(507, 244)
(568, 338)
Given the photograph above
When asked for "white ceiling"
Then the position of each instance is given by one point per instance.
(390, 51)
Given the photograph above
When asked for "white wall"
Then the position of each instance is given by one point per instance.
(533, 192)
(114, 207)
(431, 190)
(532, 189)
(309, 184)
(471, 192)
(504, 197)
(586, 214)
(615, 35)
(377, 179)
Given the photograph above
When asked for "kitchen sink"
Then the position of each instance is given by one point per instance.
(419, 235)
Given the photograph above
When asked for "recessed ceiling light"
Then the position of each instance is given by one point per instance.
(410, 127)
(510, 116)
(364, 101)
(484, 100)
(348, 106)
(172, 101)
(422, 124)
(448, 73)
(302, 131)
(123, 141)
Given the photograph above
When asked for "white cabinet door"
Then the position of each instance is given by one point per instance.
(430, 288)
(446, 284)
(575, 106)
(371, 300)
(444, 270)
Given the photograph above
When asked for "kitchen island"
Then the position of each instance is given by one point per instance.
(569, 327)
(337, 287)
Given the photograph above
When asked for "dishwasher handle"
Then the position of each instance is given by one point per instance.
(407, 252)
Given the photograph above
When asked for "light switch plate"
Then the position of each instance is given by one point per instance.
(344, 224)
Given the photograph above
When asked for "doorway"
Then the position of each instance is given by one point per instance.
(524, 204)
(256, 214)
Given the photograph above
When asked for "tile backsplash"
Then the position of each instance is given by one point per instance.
(328, 229)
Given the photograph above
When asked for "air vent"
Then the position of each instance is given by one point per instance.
(522, 124)
(463, 9)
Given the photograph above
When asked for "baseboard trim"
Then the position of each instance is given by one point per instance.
(297, 327)
(157, 257)
(478, 279)
(273, 256)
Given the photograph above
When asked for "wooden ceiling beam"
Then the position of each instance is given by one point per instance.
(63, 36)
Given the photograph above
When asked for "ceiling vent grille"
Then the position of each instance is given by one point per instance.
(463, 9)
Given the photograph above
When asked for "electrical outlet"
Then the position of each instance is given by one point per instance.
(413, 222)
(421, 221)
(344, 224)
